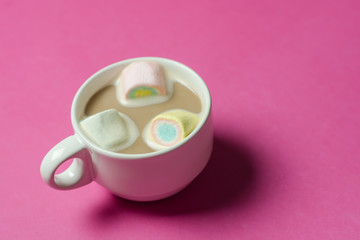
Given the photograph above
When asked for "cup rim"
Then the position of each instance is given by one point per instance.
(112, 154)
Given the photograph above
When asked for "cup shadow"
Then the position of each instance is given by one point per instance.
(228, 179)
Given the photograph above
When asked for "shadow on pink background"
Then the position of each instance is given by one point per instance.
(229, 178)
(284, 79)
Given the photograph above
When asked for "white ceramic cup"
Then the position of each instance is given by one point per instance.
(139, 177)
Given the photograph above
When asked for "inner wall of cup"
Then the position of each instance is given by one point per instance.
(99, 80)
(105, 77)
(184, 74)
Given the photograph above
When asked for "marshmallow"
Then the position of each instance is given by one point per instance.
(142, 79)
(110, 129)
(169, 128)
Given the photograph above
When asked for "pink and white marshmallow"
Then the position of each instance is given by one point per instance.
(142, 79)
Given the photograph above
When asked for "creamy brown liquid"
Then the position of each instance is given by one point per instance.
(105, 98)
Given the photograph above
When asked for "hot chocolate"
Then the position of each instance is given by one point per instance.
(182, 97)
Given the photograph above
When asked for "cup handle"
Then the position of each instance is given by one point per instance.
(78, 174)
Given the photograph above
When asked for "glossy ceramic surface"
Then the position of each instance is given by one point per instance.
(141, 177)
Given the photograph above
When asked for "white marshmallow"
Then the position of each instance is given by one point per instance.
(110, 129)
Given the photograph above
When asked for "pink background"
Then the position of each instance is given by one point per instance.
(284, 78)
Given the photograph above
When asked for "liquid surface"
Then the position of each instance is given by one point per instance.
(105, 98)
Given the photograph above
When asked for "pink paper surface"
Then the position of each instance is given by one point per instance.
(285, 83)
